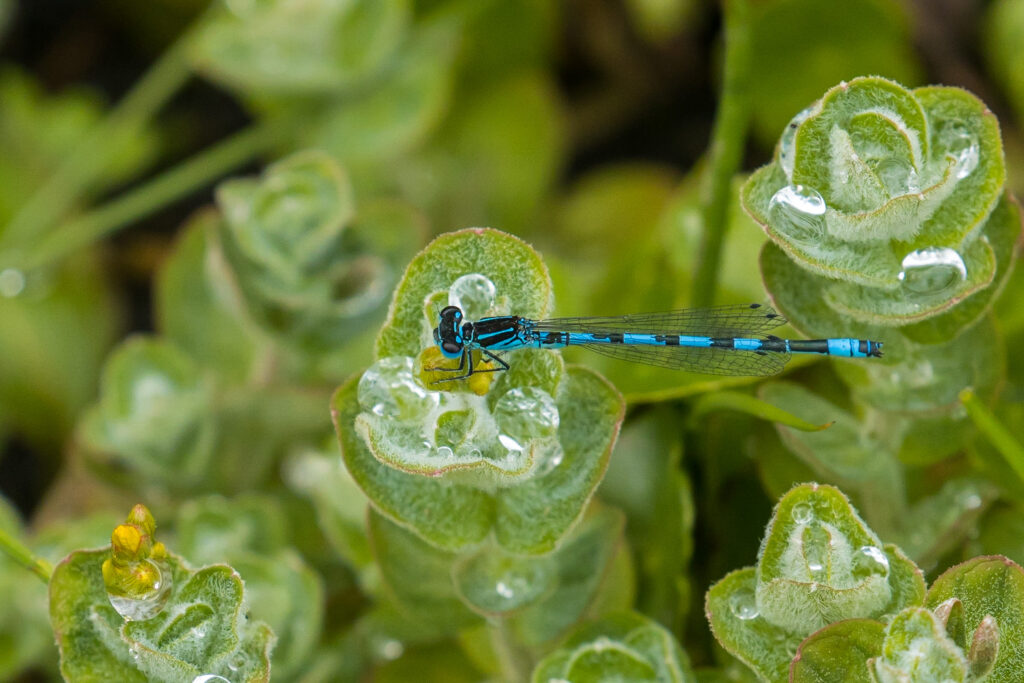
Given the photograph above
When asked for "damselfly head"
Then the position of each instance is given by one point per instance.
(448, 333)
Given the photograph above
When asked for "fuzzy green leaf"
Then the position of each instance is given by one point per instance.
(989, 586)
(731, 610)
(917, 650)
(883, 195)
(819, 563)
(201, 629)
(621, 647)
(519, 277)
(838, 653)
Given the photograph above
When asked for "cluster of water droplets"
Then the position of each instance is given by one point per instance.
(146, 605)
(821, 550)
(523, 423)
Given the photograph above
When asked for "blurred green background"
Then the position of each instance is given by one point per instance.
(582, 126)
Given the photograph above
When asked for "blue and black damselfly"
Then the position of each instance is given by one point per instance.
(728, 340)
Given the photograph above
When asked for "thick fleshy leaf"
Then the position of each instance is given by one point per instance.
(312, 268)
(883, 195)
(989, 586)
(731, 610)
(194, 305)
(839, 653)
(519, 278)
(917, 649)
(153, 418)
(201, 629)
(621, 647)
(249, 533)
(819, 563)
(846, 454)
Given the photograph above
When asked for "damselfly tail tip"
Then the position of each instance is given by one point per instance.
(876, 349)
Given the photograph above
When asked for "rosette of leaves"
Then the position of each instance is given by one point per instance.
(153, 419)
(967, 630)
(627, 647)
(166, 424)
(313, 269)
(818, 564)
(249, 534)
(192, 622)
(893, 199)
(514, 455)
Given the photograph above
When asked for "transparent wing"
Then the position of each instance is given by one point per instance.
(745, 320)
(708, 361)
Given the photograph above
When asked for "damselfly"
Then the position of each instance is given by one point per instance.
(729, 340)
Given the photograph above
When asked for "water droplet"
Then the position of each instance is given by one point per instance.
(237, 662)
(956, 140)
(147, 606)
(391, 649)
(743, 605)
(510, 444)
(802, 513)
(869, 561)
(388, 389)
(787, 149)
(817, 542)
(932, 270)
(12, 282)
(898, 176)
(474, 294)
(798, 212)
(445, 452)
(526, 413)
(210, 678)
(970, 500)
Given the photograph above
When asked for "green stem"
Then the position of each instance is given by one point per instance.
(514, 661)
(17, 551)
(170, 186)
(997, 434)
(726, 153)
(92, 155)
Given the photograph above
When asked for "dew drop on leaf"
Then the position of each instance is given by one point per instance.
(474, 294)
(148, 605)
(869, 561)
(743, 605)
(12, 282)
(526, 413)
(802, 513)
(787, 148)
(956, 140)
(898, 176)
(932, 270)
(388, 389)
(798, 212)
(210, 678)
